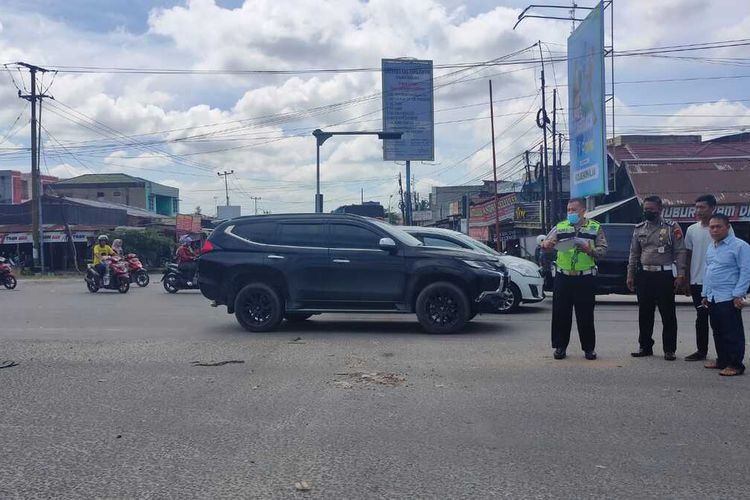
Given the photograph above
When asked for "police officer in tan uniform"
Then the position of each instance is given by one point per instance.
(656, 245)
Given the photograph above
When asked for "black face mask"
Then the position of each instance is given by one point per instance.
(650, 216)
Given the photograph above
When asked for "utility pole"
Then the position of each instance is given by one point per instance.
(36, 188)
(226, 184)
(494, 173)
(555, 196)
(542, 122)
(401, 204)
(255, 199)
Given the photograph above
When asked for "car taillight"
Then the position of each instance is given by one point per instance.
(207, 247)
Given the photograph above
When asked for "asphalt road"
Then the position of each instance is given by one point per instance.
(105, 402)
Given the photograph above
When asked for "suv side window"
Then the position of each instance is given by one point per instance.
(350, 236)
(310, 234)
(257, 232)
(430, 241)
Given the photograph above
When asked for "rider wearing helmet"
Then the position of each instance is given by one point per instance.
(186, 257)
(101, 249)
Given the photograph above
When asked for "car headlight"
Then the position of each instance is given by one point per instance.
(480, 264)
(527, 271)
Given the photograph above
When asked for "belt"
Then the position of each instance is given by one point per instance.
(652, 269)
(587, 272)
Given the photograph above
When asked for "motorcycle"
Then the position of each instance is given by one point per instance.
(138, 273)
(174, 281)
(116, 278)
(6, 274)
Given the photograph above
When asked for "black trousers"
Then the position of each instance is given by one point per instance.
(729, 334)
(656, 289)
(188, 270)
(571, 292)
(701, 319)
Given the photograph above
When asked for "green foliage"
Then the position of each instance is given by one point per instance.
(152, 247)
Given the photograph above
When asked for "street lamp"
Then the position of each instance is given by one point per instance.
(322, 137)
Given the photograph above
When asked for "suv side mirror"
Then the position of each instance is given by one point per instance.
(388, 245)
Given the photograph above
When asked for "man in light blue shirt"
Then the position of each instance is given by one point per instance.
(725, 285)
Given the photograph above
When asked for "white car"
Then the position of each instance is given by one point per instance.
(526, 281)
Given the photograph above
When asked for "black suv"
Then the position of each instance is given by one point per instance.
(274, 267)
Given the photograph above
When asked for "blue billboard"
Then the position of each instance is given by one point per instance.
(586, 117)
(408, 108)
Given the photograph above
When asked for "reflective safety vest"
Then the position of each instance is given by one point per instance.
(573, 259)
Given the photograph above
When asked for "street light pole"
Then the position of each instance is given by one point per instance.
(320, 138)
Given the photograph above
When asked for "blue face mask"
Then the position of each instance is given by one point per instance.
(573, 218)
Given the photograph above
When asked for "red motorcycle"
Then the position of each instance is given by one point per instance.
(115, 278)
(138, 273)
(6, 274)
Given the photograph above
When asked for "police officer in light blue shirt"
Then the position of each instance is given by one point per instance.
(725, 286)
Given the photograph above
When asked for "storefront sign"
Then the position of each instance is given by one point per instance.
(49, 237)
(484, 213)
(528, 215)
(738, 213)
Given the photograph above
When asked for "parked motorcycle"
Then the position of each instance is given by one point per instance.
(174, 281)
(138, 273)
(6, 274)
(117, 278)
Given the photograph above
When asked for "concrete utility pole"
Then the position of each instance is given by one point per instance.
(542, 121)
(255, 199)
(494, 172)
(36, 181)
(226, 184)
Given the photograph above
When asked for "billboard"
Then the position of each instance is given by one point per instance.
(228, 211)
(588, 160)
(408, 108)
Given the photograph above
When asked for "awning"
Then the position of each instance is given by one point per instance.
(602, 209)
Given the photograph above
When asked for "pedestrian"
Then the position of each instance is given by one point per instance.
(725, 286)
(697, 241)
(580, 242)
(657, 244)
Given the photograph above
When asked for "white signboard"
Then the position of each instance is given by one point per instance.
(408, 108)
(228, 211)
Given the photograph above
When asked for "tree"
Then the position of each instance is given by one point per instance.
(152, 247)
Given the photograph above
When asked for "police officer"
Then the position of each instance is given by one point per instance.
(656, 245)
(580, 242)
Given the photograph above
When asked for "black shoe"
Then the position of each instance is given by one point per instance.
(590, 355)
(696, 356)
(642, 353)
(559, 353)
(669, 356)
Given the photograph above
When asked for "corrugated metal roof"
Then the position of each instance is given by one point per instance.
(680, 183)
(632, 152)
(132, 211)
(102, 179)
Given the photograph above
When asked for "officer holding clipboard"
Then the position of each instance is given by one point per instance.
(579, 242)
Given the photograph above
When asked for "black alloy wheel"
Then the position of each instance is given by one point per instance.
(258, 308)
(142, 279)
(443, 308)
(10, 282)
(170, 283)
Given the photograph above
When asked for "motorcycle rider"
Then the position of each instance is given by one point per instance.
(101, 249)
(186, 258)
(117, 247)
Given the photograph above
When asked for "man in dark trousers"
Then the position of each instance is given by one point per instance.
(725, 286)
(657, 244)
(579, 243)
(697, 241)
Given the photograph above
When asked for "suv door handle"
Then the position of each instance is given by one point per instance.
(341, 261)
(277, 257)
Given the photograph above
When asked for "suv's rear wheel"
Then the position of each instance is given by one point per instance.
(443, 307)
(258, 308)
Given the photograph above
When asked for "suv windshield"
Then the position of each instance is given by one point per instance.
(398, 234)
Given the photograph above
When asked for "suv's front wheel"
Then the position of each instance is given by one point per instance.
(443, 307)
(258, 308)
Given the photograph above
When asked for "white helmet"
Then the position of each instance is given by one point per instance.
(540, 239)
(103, 237)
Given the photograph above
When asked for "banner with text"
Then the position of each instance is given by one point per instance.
(408, 108)
(586, 117)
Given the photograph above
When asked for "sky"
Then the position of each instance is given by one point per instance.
(182, 129)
